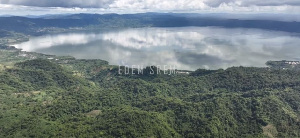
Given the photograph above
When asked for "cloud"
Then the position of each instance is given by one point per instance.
(160, 4)
(137, 6)
(165, 4)
(245, 3)
(271, 2)
(187, 48)
(60, 3)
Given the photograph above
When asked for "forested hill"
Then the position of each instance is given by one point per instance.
(60, 23)
(87, 98)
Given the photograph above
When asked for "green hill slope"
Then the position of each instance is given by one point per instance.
(44, 98)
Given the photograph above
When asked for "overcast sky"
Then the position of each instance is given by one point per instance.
(38, 7)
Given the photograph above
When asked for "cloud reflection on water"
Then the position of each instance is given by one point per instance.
(187, 48)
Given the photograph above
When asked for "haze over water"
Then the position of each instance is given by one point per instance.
(187, 48)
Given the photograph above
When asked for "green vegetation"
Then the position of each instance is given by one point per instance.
(8, 37)
(53, 96)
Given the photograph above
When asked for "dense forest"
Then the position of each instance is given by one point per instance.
(88, 98)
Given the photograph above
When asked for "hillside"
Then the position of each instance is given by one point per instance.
(76, 22)
(44, 97)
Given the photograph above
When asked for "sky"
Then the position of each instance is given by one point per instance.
(40, 7)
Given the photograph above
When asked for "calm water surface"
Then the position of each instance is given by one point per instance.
(187, 48)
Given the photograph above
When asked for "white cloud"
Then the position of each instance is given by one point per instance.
(187, 48)
(133, 6)
(55, 40)
(147, 3)
(59, 3)
(160, 4)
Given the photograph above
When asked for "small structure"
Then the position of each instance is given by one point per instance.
(292, 62)
(284, 64)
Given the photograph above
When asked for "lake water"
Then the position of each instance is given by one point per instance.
(186, 48)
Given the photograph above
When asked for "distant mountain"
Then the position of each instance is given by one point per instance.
(36, 26)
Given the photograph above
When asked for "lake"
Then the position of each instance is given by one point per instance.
(186, 48)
